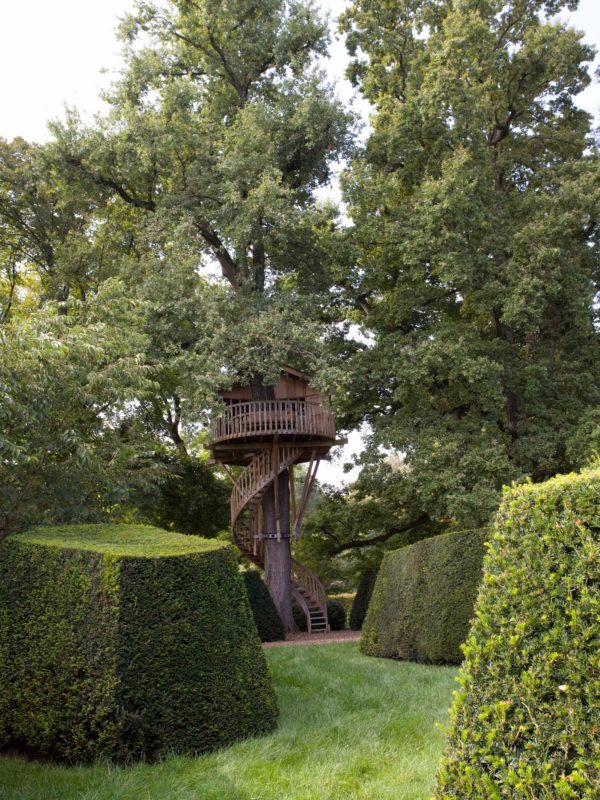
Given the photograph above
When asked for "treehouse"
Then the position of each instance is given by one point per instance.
(268, 430)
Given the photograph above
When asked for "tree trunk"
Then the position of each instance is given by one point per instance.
(278, 556)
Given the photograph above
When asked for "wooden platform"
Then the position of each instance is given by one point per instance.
(269, 420)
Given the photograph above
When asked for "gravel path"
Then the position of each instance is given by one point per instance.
(316, 638)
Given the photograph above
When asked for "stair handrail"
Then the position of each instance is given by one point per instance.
(257, 476)
(300, 600)
(304, 576)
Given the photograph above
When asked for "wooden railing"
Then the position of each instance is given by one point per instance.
(260, 417)
(258, 475)
(303, 576)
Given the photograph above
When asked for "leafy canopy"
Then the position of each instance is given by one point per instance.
(476, 206)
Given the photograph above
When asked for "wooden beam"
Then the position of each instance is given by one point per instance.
(292, 488)
(275, 462)
(260, 445)
(305, 491)
(225, 470)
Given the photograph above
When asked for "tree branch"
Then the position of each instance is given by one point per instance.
(392, 530)
(105, 182)
(229, 268)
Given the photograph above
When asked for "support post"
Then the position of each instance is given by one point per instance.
(306, 489)
(292, 482)
(275, 463)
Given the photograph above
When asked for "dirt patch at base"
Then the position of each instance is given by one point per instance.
(332, 637)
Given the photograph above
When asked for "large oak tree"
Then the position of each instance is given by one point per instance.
(222, 122)
(476, 206)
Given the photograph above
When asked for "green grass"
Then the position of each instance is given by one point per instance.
(119, 540)
(351, 727)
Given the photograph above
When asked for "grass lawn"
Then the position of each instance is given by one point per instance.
(351, 727)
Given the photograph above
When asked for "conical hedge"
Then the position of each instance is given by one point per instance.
(526, 722)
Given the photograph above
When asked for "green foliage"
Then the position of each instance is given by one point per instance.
(423, 598)
(299, 618)
(266, 618)
(525, 722)
(70, 449)
(362, 598)
(223, 126)
(336, 614)
(219, 132)
(126, 642)
(189, 498)
(346, 599)
(45, 229)
(476, 226)
(349, 529)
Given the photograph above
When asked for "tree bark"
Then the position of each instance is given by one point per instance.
(278, 555)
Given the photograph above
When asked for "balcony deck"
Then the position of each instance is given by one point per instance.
(255, 423)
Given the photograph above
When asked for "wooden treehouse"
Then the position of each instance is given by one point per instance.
(268, 430)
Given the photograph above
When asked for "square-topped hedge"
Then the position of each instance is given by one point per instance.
(126, 642)
(423, 598)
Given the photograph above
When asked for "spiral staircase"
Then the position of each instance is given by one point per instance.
(266, 438)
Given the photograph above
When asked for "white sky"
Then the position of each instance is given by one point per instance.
(52, 53)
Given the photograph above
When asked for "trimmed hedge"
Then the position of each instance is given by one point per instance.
(423, 599)
(526, 722)
(266, 617)
(126, 642)
(336, 615)
(346, 599)
(299, 617)
(362, 598)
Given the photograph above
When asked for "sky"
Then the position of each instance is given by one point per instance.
(52, 54)
(62, 53)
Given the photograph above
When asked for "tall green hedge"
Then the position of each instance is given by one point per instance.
(526, 722)
(126, 642)
(423, 599)
(266, 618)
(362, 598)
(336, 615)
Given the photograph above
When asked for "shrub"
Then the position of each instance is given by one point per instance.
(266, 618)
(345, 598)
(526, 720)
(362, 598)
(126, 642)
(423, 599)
(299, 617)
(336, 615)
